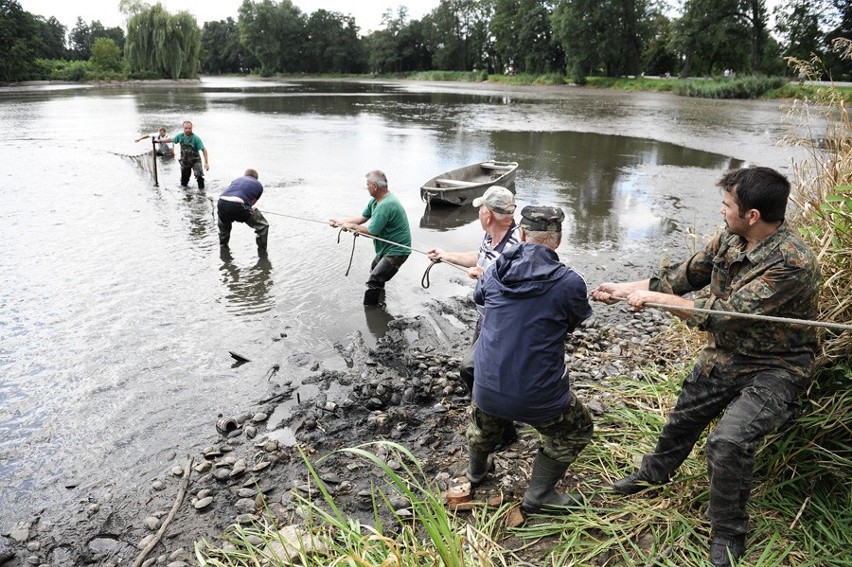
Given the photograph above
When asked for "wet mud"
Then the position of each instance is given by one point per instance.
(405, 389)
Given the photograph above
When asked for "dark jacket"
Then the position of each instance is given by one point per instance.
(246, 188)
(532, 301)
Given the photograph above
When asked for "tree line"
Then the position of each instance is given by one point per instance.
(577, 38)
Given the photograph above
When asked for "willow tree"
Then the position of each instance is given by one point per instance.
(163, 44)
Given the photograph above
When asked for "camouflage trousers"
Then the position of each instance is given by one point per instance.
(562, 438)
(754, 404)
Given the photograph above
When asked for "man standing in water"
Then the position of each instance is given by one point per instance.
(496, 215)
(191, 150)
(388, 221)
(167, 149)
(749, 373)
(237, 204)
(531, 301)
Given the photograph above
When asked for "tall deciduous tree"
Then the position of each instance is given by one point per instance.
(332, 44)
(601, 35)
(798, 23)
(20, 43)
(458, 34)
(523, 37)
(52, 38)
(221, 50)
(106, 55)
(274, 33)
(163, 44)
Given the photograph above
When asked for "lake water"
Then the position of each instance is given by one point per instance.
(117, 311)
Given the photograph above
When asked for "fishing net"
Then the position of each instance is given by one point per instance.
(146, 162)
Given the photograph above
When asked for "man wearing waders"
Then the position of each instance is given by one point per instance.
(237, 204)
(385, 218)
(191, 150)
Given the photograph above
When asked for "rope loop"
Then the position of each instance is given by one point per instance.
(424, 281)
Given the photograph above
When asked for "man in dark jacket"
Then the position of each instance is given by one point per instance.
(531, 301)
(237, 204)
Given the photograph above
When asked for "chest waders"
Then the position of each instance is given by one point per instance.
(190, 160)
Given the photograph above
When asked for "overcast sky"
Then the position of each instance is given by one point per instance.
(367, 13)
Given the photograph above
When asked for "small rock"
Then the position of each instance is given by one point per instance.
(152, 523)
(143, 543)
(177, 470)
(259, 417)
(203, 503)
(245, 506)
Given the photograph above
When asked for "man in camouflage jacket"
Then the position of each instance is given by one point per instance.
(750, 370)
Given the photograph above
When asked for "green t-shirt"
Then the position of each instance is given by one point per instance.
(389, 221)
(191, 145)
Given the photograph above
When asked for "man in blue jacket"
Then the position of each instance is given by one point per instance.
(531, 301)
(237, 204)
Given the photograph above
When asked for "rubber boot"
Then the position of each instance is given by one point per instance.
(372, 296)
(479, 467)
(201, 182)
(541, 495)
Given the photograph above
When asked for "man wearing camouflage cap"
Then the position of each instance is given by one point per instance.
(531, 301)
(749, 373)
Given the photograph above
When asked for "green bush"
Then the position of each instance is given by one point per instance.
(737, 88)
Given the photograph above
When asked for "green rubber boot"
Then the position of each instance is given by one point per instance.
(541, 495)
(479, 467)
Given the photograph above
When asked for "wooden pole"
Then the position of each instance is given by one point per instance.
(154, 156)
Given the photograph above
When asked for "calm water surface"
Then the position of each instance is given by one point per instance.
(117, 311)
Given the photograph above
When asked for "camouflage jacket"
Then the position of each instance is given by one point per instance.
(779, 277)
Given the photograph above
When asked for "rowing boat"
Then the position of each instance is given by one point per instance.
(461, 186)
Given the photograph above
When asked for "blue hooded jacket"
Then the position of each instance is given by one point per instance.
(532, 301)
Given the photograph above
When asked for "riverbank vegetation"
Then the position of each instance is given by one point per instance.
(547, 42)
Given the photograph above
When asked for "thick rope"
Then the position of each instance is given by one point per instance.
(785, 320)
(755, 316)
(358, 233)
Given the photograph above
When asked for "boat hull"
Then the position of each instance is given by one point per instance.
(461, 186)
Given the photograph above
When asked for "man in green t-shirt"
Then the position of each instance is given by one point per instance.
(383, 218)
(191, 151)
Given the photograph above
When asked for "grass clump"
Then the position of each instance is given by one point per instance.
(460, 76)
(730, 88)
(431, 535)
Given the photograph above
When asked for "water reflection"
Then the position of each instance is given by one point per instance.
(377, 320)
(248, 288)
(445, 218)
(603, 181)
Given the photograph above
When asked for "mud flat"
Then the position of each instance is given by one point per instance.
(405, 389)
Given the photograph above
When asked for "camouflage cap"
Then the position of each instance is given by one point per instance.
(545, 219)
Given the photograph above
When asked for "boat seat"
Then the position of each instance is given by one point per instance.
(495, 166)
(456, 182)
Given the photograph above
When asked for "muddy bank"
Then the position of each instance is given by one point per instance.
(405, 389)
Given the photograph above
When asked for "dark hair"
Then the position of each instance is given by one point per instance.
(251, 173)
(760, 188)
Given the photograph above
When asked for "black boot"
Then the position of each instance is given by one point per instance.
(201, 182)
(633, 483)
(722, 545)
(372, 296)
(479, 467)
(541, 495)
